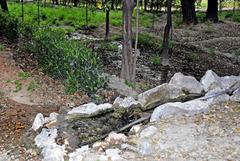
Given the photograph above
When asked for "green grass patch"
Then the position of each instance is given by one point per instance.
(2, 47)
(155, 60)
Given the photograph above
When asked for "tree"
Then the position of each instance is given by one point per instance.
(165, 45)
(128, 57)
(4, 6)
(188, 11)
(107, 9)
(212, 11)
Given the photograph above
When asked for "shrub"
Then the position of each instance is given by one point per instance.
(2, 47)
(67, 60)
(147, 41)
(9, 26)
(155, 60)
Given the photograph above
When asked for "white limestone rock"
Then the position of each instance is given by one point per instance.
(190, 107)
(38, 122)
(88, 110)
(127, 102)
(149, 131)
(159, 95)
(78, 154)
(52, 118)
(53, 152)
(115, 138)
(46, 137)
(187, 83)
(211, 81)
(114, 154)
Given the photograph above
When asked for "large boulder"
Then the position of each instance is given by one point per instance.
(159, 95)
(230, 82)
(121, 86)
(187, 83)
(210, 81)
(236, 95)
(88, 110)
(127, 102)
(190, 107)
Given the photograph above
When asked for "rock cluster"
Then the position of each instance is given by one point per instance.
(167, 101)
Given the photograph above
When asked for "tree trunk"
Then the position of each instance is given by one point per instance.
(4, 6)
(145, 5)
(107, 23)
(212, 11)
(128, 57)
(165, 45)
(188, 11)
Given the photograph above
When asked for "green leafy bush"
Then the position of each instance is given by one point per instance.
(155, 60)
(8, 26)
(67, 60)
(147, 41)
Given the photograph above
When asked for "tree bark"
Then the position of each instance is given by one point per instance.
(212, 11)
(107, 23)
(4, 6)
(128, 57)
(188, 11)
(165, 45)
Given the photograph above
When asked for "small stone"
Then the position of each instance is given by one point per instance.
(114, 138)
(38, 122)
(148, 132)
(114, 154)
(99, 146)
(135, 129)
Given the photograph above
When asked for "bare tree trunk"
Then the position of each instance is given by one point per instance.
(165, 45)
(128, 57)
(107, 23)
(188, 11)
(4, 6)
(212, 10)
(136, 51)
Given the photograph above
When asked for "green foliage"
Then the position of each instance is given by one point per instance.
(23, 75)
(155, 60)
(237, 53)
(211, 52)
(8, 26)
(232, 16)
(130, 84)
(67, 60)
(192, 56)
(32, 86)
(145, 40)
(2, 47)
(18, 85)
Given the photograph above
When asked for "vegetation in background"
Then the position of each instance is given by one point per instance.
(155, 60)
(67, 60)
(71, 16)
(9, 26)
(2, 47)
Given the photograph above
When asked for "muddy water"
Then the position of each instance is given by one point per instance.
(86, 131)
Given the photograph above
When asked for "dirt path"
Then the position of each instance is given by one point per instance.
(22, 96)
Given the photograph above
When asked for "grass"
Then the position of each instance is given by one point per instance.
(71, 16)
(155, 60)
(2, 47)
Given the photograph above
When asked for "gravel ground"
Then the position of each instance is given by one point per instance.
(213, 136)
